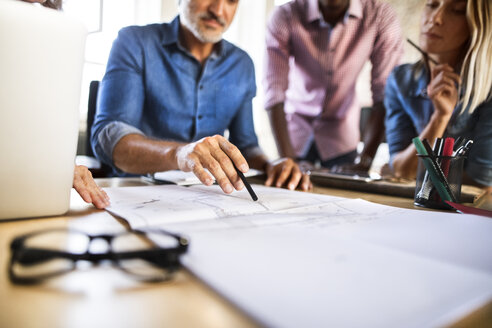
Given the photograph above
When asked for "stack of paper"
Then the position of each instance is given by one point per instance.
(298, 259)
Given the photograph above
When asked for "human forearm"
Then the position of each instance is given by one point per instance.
(280, 131)
(443, 93)
(138, 154)
(372, 135)
(258, 162)
(135, 153)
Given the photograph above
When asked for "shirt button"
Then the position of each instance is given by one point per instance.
(201, 87)
(200, 117)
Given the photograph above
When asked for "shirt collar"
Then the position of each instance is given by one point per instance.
(171, 36)
(314, 14)
(418, 81)
(355, 9)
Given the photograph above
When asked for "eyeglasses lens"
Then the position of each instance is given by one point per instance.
(35, 258)
(158, 266)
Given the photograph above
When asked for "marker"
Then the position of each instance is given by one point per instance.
(246, 184)
(435, 172)
(427, 185)
(458, 143)
(446, 153)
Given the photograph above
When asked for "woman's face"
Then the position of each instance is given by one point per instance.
(443, 27)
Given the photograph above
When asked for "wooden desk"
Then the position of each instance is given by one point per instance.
(105, 297)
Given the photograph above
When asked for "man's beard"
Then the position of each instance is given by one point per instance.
(192, 22)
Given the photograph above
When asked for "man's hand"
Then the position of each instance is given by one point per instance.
(217, 155)
(87, 188)
(285, 171)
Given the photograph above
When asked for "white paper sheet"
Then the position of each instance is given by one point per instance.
(161, 205)
(302, 278)
(300, 259)
(189, 178)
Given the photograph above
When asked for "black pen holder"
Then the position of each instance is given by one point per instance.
(426, 195)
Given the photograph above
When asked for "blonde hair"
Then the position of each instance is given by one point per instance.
(476, 70)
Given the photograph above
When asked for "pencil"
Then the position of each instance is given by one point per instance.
(246, 184)
(426, 56)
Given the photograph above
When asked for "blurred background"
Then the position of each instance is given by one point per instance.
(104, 18)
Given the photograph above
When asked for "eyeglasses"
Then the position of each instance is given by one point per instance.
(148, 255)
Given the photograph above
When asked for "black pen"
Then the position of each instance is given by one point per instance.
(458, 143)
(439, 173)
(246, 184)
(422, 52)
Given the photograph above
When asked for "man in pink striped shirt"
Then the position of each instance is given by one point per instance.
(316, 50)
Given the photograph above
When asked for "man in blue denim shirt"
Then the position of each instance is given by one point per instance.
(169, 93)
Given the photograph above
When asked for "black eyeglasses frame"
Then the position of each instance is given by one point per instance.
(166, 258)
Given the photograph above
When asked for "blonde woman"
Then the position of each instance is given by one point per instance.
(83, 182)
(448, 92)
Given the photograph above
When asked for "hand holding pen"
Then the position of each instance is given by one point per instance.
(217, 155)
(443, 86)
(443, 89)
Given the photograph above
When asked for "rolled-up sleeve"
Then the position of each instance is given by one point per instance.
(109, 137)
(276, 73)
(398, 124)
(121, 96)
(387, 51)
(479, 161)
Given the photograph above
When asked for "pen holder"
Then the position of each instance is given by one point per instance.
(426, 195)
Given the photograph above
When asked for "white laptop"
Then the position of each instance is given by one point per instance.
(41, 58)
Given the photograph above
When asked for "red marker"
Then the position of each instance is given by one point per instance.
(447, 151)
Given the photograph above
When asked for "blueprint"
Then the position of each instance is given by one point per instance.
(296, 259)
(164, 204)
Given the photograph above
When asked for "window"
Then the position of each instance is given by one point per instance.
(103, 19)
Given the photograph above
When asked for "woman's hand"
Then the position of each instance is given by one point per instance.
(443, 90)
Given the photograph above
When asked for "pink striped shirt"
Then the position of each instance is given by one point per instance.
(313, 68)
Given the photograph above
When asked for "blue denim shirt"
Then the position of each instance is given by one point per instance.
(409, 109)
(154, 87)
